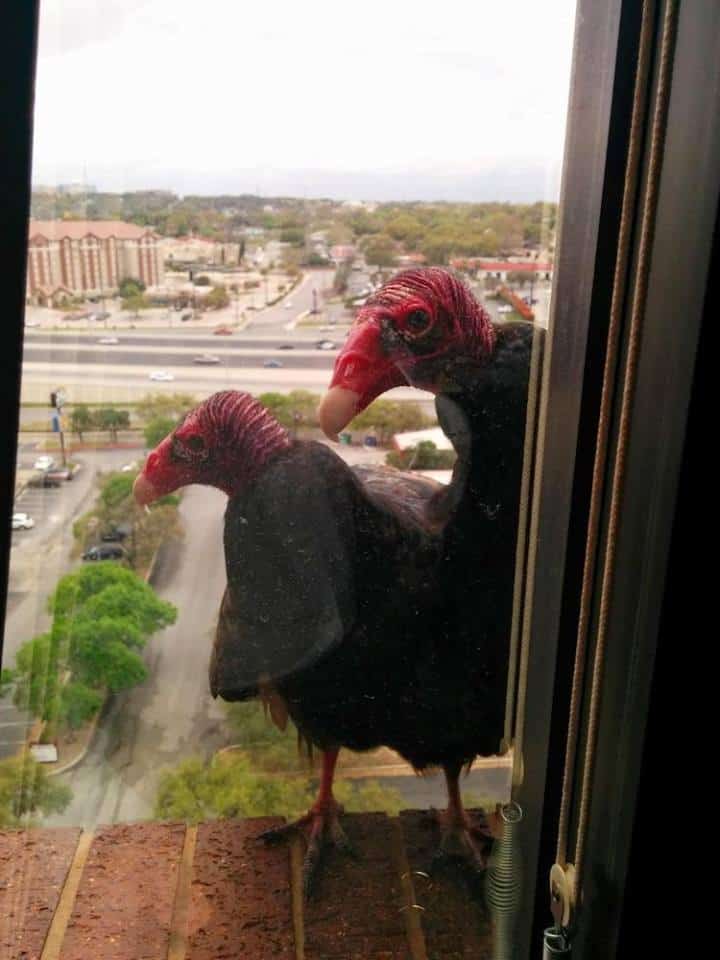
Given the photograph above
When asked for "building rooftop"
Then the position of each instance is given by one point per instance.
(151, 891)
(77, 229)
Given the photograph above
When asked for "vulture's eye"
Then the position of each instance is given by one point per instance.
(417, 322)
(189, 449)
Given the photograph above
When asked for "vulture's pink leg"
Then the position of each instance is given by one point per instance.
(463, 839)
(320, 826)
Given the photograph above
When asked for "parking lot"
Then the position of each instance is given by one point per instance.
(39, 557)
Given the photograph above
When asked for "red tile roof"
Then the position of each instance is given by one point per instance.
(523, 266)
(77, 229)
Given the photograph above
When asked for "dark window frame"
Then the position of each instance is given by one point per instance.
(606, 39)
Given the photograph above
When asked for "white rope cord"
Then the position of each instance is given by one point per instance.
(515, 681)
(647, 232)
(524, 569)
(604, 421)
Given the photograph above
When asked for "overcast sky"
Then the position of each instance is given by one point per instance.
(378, 99)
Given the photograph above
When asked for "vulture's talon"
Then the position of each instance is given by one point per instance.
(285, 832)
(321, 829)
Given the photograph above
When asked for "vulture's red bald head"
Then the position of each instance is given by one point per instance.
(223, 443)
(409, 332)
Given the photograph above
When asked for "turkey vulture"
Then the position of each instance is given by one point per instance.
(371, 606)
(426, 325)
(328, 576)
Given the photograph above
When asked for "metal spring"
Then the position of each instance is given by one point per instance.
(503, 884)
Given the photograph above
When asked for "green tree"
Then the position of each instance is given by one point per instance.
(293, 235)
(425, 456)
(102, 615)
(130, 287)
(81, 419)
(174, 405)
(112, 420)
(157, 429)
(341, 278)
(380, 251)
(115, 488)
(217, 298)
(229, 786)
(289, 409)
(389, 417)
(78, 704)
(26, 788)
(36, 676)
(135, 303)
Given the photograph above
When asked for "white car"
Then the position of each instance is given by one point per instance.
(324, 345)
(108, 341)
(21, 521)
(161, 375)
(127, 467)
(43, 463)
(288, 305)
(206, 358)
(505, 308)
(32, 323)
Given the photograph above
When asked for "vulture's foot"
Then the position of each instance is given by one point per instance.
(465, 845)
(321, 828)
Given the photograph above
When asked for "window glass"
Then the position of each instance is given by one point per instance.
(257, 204)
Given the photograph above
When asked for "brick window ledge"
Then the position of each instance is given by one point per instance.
(164, 891)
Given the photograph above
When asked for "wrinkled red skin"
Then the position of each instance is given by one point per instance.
(383, 350)
(222, 443)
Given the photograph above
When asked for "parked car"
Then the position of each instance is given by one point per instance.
(222, 331)
(44, 463)
(162, 375)
(60, 473)
(104, 551)
(184, 317)
(115, 534)
(43, 480)
(286, 346)
(288, 305)
(272, 363)
(99, 315)
(505, 308)
(21, 521)
(206, 358)
(108, 341)
(127, 467)
(325, 345)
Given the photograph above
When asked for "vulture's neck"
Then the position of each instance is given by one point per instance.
(486, 421)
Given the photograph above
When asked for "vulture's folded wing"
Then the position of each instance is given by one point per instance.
(289, 552)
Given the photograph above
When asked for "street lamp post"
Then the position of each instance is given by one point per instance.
(57, 400)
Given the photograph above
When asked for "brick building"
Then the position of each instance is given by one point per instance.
(77, 257)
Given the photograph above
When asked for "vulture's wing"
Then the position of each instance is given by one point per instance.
(405, 494)
(289, 552)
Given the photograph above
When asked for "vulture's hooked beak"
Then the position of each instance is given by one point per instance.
(363, 371)
(143, 491)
